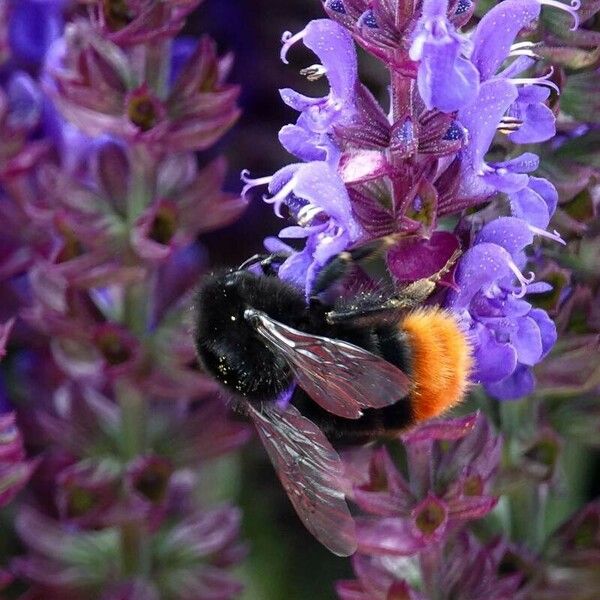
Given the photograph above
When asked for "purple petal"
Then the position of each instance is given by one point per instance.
(483, 115)
(388, 536)
(539, 124)
(530, 206)
(34, 26)
(496, 32)
(329, 246)
(294, 269)
(25, 100)
(509, 232)
(301, 143)
(334, 46)
(446, 81)
(493, 360)
(317, 183)
(519, 384)
(546, 191)
(479, 267)
(5, 329)
(527, 341)
(472, 507)
(298, 101)
(547, 330)
(412, 259)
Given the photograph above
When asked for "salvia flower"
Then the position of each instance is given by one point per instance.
(15, 470)
(509, 334)
(466, 569)
(102, 200)
(450, 465)
(446, 79)
(106, 95)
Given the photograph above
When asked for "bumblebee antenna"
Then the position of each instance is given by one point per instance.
(265, 260)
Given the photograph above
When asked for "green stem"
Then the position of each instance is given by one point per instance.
(429, 562)
(133, 419)
(134, 545)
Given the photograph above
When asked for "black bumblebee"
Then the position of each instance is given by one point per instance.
(365, 367)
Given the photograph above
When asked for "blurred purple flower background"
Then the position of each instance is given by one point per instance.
(447, 124)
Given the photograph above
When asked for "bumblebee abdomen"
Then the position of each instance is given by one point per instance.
(440, 361)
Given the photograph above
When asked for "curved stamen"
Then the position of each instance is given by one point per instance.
(314, 72)
(278, 200)
(553, 235)
(572, 9)
(307, 213)
(526, 44)
(288, 39)
(543, 80)
(250, 183)
(523, 52)
(523, 280)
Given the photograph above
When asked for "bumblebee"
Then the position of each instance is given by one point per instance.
(354, 369)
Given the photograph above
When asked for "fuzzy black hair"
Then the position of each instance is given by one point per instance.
(229, 348)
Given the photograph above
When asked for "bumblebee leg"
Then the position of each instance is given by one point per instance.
(417, 292)
(340, 265)
(405, 299)
(368, 315)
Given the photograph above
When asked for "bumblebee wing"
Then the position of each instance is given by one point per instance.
(311, 473)
(339, 376)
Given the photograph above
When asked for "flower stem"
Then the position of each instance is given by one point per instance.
(429, 561)
(134, 547)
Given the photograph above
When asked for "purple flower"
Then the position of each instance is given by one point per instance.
(509, 335)
(450, 467)
(315, 196)
(465, 569)
(15, 471)
(34, 26)
(446, 79)
(310, 139)
(106, 97)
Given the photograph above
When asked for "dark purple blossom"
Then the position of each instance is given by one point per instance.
(450, 465)
(15, 470)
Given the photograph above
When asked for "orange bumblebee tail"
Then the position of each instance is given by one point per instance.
(441, 361)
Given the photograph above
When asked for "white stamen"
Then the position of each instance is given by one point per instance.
(521, 45)
(288, 39)
(307, 213)
(250, 183)
(543, 80)
(554, 235)
(575, 5)
(314, 72)
(523, 280)
(524, 52)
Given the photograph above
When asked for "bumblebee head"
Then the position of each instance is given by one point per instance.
(228, 345)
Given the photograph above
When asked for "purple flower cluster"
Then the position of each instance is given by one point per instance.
(417, 516)
(450, 465)
(102, 199)
(366, 174)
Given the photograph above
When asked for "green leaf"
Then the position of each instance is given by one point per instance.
(571, 58)
(582, 150)
(581, 97)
